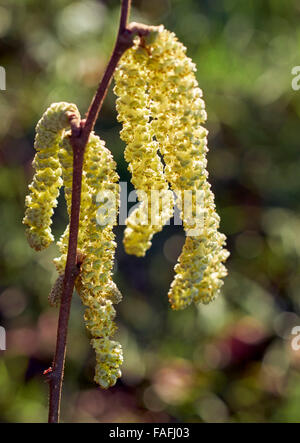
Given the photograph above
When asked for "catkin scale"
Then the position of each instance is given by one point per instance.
(54, 297)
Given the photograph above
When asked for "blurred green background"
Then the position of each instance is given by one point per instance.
(231, 361)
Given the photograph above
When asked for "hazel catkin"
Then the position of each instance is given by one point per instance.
(162, 110)
(144, 163)
(47, 181)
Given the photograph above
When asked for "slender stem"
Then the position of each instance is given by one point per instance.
(125, 11)
(56, 376)
(79, 140)
(124, 41)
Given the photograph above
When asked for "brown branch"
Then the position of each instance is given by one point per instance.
(125, 11)
(81, 131)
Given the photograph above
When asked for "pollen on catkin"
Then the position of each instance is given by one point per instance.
(65, 155)
(178, 112)
(98, 215)
(94, 284)
(101, 213)
(44, 188)
(161, 107)
(144, 163)
(99, 320)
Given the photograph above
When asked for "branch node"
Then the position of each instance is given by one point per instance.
(75, 123)
(141, 29)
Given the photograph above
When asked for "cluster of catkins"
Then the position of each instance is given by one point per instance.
(160, 106)
(96, 246)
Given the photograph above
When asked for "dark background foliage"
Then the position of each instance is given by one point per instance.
(228, 361)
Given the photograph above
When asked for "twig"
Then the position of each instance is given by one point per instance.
(81, 131)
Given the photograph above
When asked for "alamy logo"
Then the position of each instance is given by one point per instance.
(2, 79)
(296, 340)
(2, 339)
(189, 203)
(296, 80)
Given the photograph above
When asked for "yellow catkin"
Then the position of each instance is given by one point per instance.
(95, 286)
(65, 156)
(102, 179)
(99, 317)
(145, 165)
(44, 188)
(161, 107)
(98, 215)
(178, 112)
